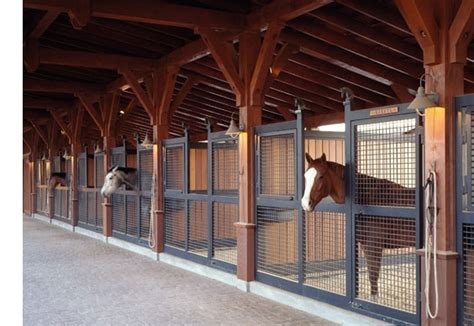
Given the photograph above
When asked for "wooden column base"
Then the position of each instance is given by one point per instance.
(159, 231)
(107, 220)
(74, 210)
(245, 251)
(51, 206)
(34, 209)
(446, 265)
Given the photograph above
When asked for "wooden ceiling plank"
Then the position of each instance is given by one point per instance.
(60, 86)
(461, 32)
(183, 92)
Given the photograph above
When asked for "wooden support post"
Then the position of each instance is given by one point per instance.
(75, 148)
(109, 143)
(160, 132)
(447, 79)
(32, 167)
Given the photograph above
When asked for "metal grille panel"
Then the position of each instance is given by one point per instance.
(99, 170)
(117, 159)
(83, 209)
(145, 215)
(91, 208)
(385, 163)
(98, 200)
(197, 229)
(174, 172)
(277, 165)
(225, 167)
(81, 172)
(146, 169)
(174, 223)
(325, 251)
(277, 242)
(118, 213)
(131, 216)
(386, 261)
(468, 273)
(224, 240)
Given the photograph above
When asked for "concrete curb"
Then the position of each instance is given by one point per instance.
(90, 234)
(62, 224)
(132, 247)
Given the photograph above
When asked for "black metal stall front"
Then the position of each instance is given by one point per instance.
(201, 199)
(359, 255)
(90, 177)
(465, 208)
(62, 198)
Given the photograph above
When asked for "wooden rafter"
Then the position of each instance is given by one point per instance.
(461, 32)
(77, 126)
(60, 86)
(130, 106)
(60, 121)
(419, 15)
(89, 107)
(187, 86)
(144, 98)
(164, 94)
(80, 13)
(281, 59)
(149, 11)
(112, 108)
(44, 103)
(48, 18)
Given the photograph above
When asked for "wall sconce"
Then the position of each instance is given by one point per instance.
(147, 143)
(97, 148)
(66, 155)
(423, 100)
(233, 130)
(44, 158)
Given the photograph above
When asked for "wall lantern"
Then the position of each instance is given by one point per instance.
(147, 143)
(97, 149)
(44, 158)
(66, 155)
(422, 100)
(233, 130)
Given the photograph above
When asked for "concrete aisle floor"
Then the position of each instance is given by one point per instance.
(70, 279)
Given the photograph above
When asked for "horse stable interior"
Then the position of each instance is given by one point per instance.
(153, 85)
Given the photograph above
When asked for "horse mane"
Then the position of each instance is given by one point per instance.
(123, 169)
(339, 169)
(59, 175)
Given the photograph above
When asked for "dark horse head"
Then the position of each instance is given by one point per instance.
(57, 178)
(322, 179)
(116, 177)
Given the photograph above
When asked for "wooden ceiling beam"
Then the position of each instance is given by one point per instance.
(93, 60)
(46, 103)
(89, 107)
(283, 10)
(40, 132)
(347, 43)
(140, 93)
(346, 59)
(377, 12)
(164, 86)
(183, 92)
(419, 15)
(461, 32)
(62, 124)
(372, 34)
(150, 12)
(53, 86)
(324, 119)
(48, 18)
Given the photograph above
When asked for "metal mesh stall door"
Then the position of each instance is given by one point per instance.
(385, 209)
(174, 223)
(98, 182)
(81, 185)
(145, 166)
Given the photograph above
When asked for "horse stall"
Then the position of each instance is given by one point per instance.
(465, 207)
(131, 208)
(201, 199)
(42, 176)
(61, 193)
(362, 251)
(90, 176)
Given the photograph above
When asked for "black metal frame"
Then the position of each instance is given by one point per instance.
(464, 104)
(347, 301)
(210, 198)
(61, 191)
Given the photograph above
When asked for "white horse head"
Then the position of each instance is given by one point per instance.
(115, 178)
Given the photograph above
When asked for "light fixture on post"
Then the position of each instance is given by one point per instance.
(423, 100)
(147, 143)
(97, 149)
(233, 130)
(66, 155)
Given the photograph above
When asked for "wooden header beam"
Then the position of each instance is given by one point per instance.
(461, 32)
(150, 12)
(44, 103)
(60, 86)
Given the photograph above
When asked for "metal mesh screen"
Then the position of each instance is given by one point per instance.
(325, 251)
(468, 273)
(197, 227)
(386, 261)
(174, 223)
(224, 237)
(99, 170)
(225, 167)
(277, 242)
(117, 159)
(98, 201)
(385, 163)
(131, 216)
(174, 171)
(81, 172)
(41, 199)
(118, 213)
(91, 208)
(146, 169)
(277, 165)
(145, 207)
(83, 206)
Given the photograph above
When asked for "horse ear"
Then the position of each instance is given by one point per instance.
(323, 157)
(309, 159)
(115, 168)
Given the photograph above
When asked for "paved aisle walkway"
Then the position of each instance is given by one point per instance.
(70, 279)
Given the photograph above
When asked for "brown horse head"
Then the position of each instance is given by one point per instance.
(57, 178)
(322, 179)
